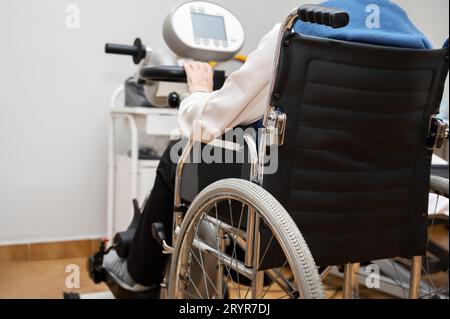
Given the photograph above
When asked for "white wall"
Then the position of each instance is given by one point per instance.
(55, 85)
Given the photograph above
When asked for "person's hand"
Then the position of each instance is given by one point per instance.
(199, 76)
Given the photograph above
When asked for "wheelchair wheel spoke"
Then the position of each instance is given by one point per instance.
(219, 293)
(428, 269)
(274, 279)
(219, 239)
(203, 266)
(190, 295)
(405, 294)
(255, 271)
(433, 219)
(233, 254)
(430, 281)
(234, 242)
(195, 286)
(286, 283)
(434, 216)
(205, 275)
(434, 293)
(288, 295)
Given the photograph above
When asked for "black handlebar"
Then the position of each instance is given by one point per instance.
(331, 17)
(120, 49)
(137, 50)
(163, 73)
(175, 74)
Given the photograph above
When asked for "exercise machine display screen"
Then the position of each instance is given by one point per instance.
(208, 26)
(203, 31)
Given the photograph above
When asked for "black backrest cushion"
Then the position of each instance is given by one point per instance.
(354, 163)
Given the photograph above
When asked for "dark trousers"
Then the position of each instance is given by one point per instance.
(145, 259)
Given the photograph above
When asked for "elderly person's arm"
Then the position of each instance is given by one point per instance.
(241, 100)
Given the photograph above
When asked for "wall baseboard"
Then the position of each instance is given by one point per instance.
(49, 250)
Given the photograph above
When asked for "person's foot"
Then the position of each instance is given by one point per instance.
(117, 268)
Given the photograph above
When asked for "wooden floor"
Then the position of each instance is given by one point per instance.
(47, 280)
(43, 279)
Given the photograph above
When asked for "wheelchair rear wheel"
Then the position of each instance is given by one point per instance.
(253, 246)
(436, 261)
(435, 264)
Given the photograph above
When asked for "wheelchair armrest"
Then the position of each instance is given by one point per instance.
(331, 17)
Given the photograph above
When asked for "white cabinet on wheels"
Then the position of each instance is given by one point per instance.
(123, 209)
(130, 177)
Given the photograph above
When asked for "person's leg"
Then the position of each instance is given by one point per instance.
(145, 259)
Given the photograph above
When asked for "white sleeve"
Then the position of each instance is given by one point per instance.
(241, 100)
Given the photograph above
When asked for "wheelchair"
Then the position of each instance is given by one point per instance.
(350, 129)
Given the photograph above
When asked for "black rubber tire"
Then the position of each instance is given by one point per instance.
(439, 185)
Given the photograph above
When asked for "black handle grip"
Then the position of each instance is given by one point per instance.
(175, 74)
(137, 50)
(120, 49)
(163, 73)
(331, 17)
